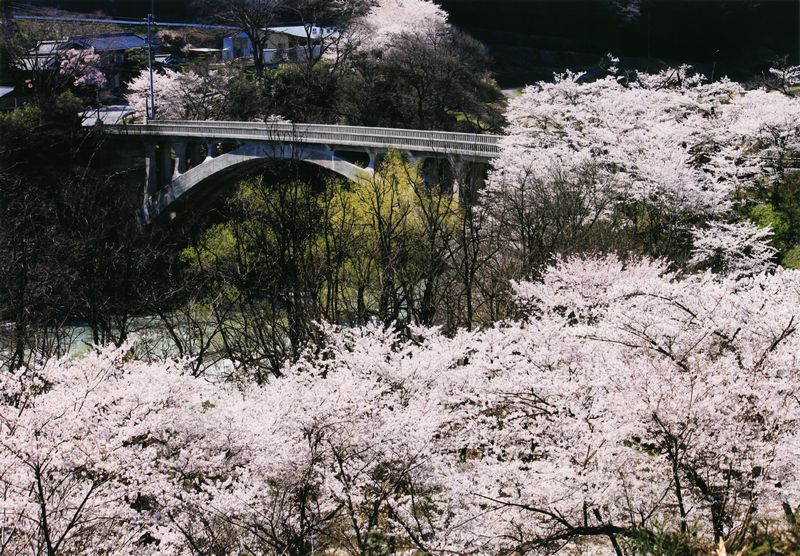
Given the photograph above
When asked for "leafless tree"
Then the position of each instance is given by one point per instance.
(252, 17)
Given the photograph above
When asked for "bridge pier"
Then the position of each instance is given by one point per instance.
(180, 158)
(196, 157)
(439, 172)
(211, 150)
(459, 169)
(470, 180)
(150, 169)
(165, 156)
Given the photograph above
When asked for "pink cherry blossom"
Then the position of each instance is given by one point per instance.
(82, 66)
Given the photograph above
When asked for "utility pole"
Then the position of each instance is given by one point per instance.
(152, 111)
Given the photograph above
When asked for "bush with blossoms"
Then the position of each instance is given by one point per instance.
(626, 400)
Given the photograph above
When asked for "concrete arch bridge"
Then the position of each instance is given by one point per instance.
(184, 157)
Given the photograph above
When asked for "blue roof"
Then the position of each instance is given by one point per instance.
(113, 41)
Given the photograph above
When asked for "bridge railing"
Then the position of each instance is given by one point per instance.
(327, 128)
(442, 142)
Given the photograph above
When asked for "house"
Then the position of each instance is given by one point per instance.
(116, 51)
(106, 115)
(8, 101)
(203, 54)
(44, 56)
(166, 61)
(284, 44)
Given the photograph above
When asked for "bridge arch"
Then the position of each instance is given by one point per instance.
(237, 162)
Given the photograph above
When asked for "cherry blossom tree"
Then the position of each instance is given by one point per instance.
(784, 77)
(70, 473)
(180, 96)
(679, 367)
(665, 151)
(168, 94)
(389, 19)
(82, 66)
(628, 398)
(107, 455)
(733, 248)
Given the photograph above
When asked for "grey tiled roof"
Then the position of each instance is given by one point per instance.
(115, 41)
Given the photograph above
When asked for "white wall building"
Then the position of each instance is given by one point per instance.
(284, 44)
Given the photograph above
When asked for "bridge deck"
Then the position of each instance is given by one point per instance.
(440, 142)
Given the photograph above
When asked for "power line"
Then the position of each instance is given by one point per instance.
(139, 22)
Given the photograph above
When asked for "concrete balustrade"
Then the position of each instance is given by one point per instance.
(441, 142)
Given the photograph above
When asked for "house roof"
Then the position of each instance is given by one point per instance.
(302, 31)
(111, 41)
(35, 63)
(299, 31)
(165, 59)
(5, 90)
(45, 48)
(44, 54)
(106, 115)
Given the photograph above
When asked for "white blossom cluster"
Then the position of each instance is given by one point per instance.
(736, 248)
(388, 19)
(82, 66)
(178, 96)
(669, 139)
(626, 398)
